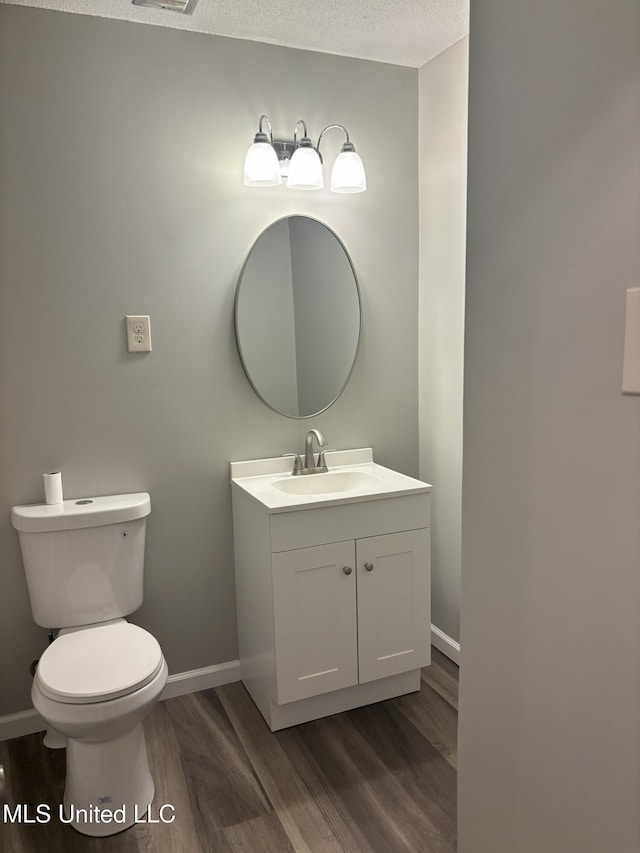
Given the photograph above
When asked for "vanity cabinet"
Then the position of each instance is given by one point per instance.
(333, 603)
(349, 612)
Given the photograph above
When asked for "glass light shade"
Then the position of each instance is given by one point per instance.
(348, 174)
(261, 167)
(305, 170)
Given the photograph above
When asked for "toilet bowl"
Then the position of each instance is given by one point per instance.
(95, 685)
(84, 565)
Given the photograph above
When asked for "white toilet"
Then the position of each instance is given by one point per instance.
(84, 562)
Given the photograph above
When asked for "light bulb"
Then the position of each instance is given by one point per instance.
(348, 174)
(305, 170)
(261, 167)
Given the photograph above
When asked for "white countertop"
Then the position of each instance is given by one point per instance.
(257, 477)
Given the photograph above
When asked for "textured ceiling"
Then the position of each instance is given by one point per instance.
(403, 32)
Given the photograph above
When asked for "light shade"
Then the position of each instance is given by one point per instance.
(305, 170)
(348, 174)
(261, 167)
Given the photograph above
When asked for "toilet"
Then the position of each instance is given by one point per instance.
(95, 683)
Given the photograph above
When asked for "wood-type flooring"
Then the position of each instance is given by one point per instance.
(378, 779)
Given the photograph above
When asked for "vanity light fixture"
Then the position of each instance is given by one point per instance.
(268, 161)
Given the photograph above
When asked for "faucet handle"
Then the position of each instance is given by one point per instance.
(297, 465)
(322, 462)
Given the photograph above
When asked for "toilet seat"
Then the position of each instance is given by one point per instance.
(99, 663)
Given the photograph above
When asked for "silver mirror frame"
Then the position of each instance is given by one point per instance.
(235, 318)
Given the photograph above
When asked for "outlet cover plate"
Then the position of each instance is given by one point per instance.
(138, 332)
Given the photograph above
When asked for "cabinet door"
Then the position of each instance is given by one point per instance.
(394, 610)
(314, 616)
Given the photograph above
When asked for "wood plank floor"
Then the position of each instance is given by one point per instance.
(379, 779)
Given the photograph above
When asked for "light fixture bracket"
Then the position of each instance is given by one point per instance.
(284, 150)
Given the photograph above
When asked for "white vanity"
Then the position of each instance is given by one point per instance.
(332, 584)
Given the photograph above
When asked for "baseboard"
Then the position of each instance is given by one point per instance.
(201, 679)
(445, 644)
(22, 723)
(28, 722)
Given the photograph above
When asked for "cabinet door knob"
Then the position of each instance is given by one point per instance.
(347, 570)
(368, 567)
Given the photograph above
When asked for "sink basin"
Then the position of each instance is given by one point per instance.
(330, 483)
(352, 476)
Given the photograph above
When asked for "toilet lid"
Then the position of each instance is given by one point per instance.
(99, 663)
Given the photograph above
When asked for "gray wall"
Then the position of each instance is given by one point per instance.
(443, 196)
(121, 155)
(550, 685)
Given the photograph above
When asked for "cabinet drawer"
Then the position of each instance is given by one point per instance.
(304, 528)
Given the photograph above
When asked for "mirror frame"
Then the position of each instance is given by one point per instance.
(235, 316)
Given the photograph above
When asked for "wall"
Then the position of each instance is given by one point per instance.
(121, 155)
(549, 752)
(443, 194)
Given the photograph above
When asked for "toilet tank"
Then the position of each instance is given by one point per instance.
(83, 558)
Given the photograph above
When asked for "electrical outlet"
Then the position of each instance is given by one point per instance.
(138, 333)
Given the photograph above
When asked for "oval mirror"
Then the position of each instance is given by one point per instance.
(297, 316)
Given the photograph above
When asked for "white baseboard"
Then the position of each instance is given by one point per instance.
(445, 644)
(201, 679)
(22, 723)
(28, 722)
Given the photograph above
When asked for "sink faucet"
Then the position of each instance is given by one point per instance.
(309, 459)
(310, 466)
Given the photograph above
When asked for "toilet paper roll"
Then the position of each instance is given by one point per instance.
(53, 487)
